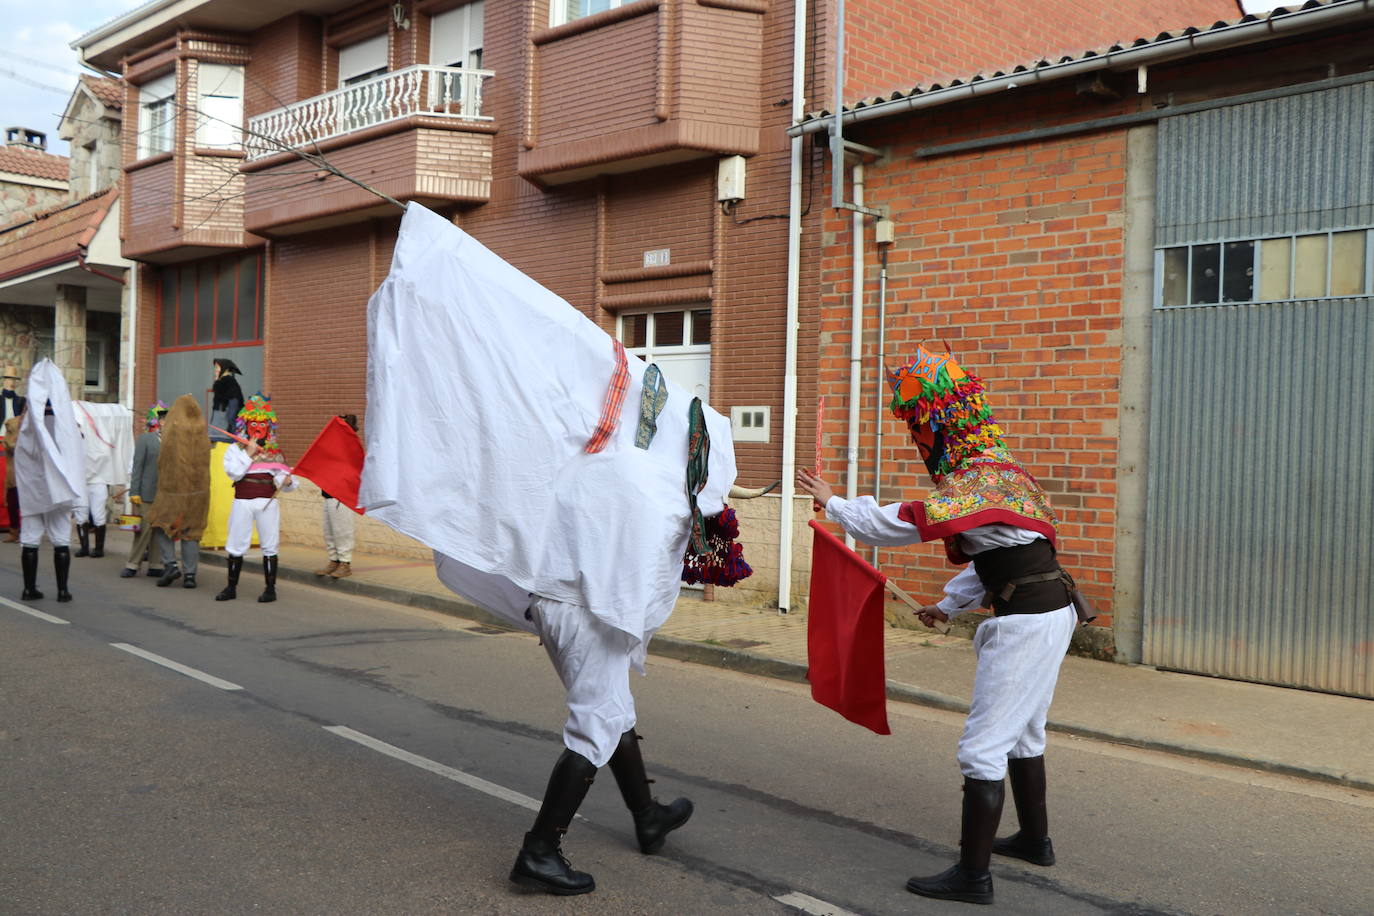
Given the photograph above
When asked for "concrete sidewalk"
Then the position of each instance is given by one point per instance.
(1294, 732)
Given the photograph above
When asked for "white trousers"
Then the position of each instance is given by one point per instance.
(593, 662)
(338, 531)
(95, 508)
(264, 512)
(1019, 656)
(56, 524)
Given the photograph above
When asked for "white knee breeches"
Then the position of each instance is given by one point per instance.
(593, 662)
(1018, 664)
(264, 512)
(56, 524)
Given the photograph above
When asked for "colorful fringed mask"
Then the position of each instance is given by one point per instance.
(155, 414)
(258, 421)
(944, 408)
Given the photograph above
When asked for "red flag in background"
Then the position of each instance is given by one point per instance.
(334, 463)
(844, 633)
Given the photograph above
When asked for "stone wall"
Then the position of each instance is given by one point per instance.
(19, 329)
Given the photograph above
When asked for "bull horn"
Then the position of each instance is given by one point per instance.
(738, 492)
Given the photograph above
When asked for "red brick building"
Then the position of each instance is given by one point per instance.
(1136, 246)
(631, 156)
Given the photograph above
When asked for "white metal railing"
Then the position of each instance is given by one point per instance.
(443, 92)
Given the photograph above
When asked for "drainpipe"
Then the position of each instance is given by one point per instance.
(789, 384)
(856, 343)
(880, 403)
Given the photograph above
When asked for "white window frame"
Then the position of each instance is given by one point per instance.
(157, 116)
(360, 61)
(651, 344)
(219, 111)
(455, 36)
(559, 12)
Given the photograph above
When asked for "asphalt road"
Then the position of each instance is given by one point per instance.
(360, 757)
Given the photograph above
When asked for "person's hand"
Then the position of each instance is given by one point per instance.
(136, 500)
(253, 448)
(929, 614)
(287, 481)
(815, 485)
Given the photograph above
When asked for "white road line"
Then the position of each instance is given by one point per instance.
(32, 613)
(424, 763)
(177, 666)
(808, 904)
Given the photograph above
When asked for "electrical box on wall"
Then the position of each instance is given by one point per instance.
(730, 179)
(749, 424)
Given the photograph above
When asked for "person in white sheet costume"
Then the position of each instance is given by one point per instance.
(502, 432)
(50, 473)
(107, 431)
(258, 473)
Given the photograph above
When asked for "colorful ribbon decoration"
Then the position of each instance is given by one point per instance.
(651, 401)
(615, 397)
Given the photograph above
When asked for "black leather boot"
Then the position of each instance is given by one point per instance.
(99, 550)
(541, 864)
(969, 881)
(83, 534)
(28, 559)
(62, 564)
(269, 573)
(231, 591)
(653, 821)
(1032, 841)
(169, 575)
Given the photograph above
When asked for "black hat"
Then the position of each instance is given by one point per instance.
(227, 365)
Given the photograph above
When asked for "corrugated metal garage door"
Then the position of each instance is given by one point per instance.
(1260, 543)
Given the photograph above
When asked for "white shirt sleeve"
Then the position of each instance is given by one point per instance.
(279, 476)
(871, 523)
(964, 592)
(236, 462)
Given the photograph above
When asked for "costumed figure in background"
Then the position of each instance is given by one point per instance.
(226, 400)
(11, 409)
(183, 489)
(107, 431)
(259, 472)
(338, 527)
(143, 494)
(989, 510)
(50, 471)
(549, 481)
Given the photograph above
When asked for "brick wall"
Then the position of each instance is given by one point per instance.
(1014, 256)
(896, 46)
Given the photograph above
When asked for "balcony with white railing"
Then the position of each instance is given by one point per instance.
(422, 90)
(413, 134)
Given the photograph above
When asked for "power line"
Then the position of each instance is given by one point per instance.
(15, 55)
(19, 77)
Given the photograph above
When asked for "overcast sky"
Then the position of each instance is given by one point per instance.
(37, 69)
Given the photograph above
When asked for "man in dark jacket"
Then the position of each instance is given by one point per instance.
(142, 492)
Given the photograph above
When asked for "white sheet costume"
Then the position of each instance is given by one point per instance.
(50, 473)
(107, 431)
(484, 392)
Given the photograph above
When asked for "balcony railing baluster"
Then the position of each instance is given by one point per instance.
(443, 92)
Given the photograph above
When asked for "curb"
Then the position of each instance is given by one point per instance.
(781, 669)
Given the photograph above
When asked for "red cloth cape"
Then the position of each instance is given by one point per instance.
(844, 634)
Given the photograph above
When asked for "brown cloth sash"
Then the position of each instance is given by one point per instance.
(254, 486)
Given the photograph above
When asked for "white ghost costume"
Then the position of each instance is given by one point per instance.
(484, 389)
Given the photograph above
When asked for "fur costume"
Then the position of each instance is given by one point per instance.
(183, 473)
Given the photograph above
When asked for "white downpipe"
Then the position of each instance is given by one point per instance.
(789, 382)
(133, 336)
(856, 346)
